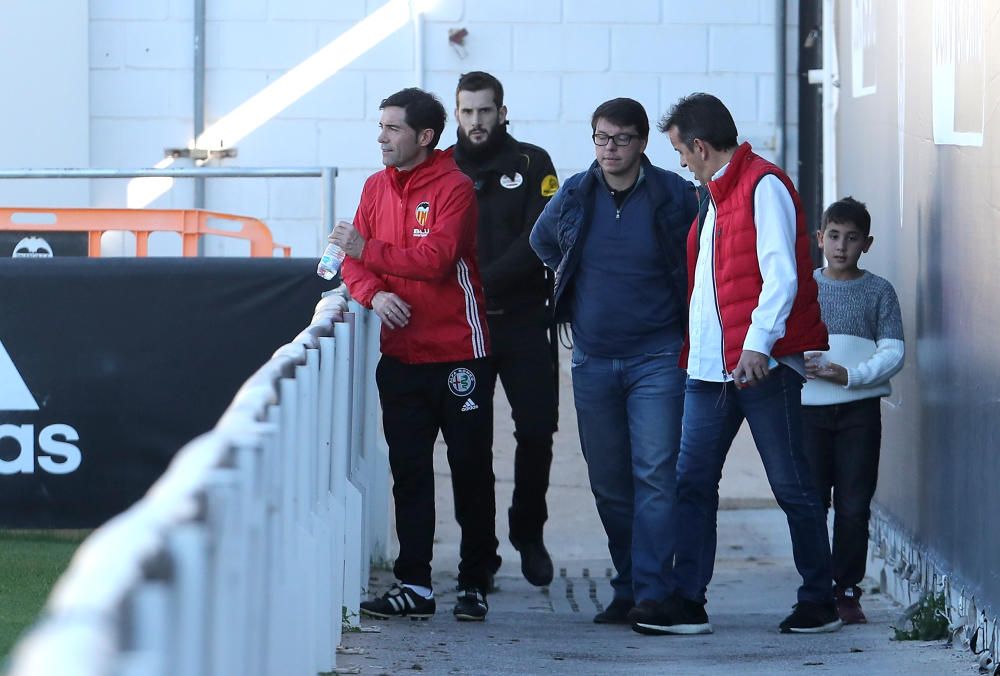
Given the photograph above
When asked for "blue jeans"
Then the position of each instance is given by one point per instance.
(629, 412)
(713, 413)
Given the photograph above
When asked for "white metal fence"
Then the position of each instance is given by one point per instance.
(253, 548)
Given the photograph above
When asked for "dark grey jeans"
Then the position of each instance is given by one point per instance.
(842, 443)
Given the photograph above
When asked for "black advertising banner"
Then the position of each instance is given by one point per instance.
(42, 244)
(109, 366)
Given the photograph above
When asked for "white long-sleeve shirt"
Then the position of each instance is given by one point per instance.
(775, 222)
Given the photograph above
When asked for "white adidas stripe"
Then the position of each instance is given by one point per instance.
(471, 310)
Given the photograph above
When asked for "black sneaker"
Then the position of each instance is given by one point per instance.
(399, 601)
(615, 613)
(471, 605)
(811, 618)
(536, 564)
(491, 583)
(676, 615)
(643, 611)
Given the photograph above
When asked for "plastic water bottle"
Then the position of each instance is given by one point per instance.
(329, 264)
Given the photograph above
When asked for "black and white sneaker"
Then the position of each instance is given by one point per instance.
(676, 615)
(399, 601)
(811, 618)
(471, 605)
(492, 587)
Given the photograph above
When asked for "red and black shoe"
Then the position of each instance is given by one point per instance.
(848, 602)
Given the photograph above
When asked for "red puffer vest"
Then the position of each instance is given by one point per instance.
(738, 281)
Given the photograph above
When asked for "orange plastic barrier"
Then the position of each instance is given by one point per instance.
(191, 224)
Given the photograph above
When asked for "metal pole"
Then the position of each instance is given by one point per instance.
(328, 175)
(180, 172)
(417, 17)
(780, 82)
(199, 92)
(810, 144)
(830, 84)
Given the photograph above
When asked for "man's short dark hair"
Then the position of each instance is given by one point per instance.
(478, 80)
(848, 211)
(423, 111)
(701, 116)
(623, 113)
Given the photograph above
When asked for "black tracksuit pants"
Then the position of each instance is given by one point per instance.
(523, 359)
(418, 401)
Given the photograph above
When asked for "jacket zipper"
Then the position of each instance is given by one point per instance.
(715, 286)
(618, 209)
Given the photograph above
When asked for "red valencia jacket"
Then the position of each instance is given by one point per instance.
(420, 232)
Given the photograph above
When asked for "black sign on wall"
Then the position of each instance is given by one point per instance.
(109, 366)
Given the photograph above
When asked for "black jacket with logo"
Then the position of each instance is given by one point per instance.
(512, 188)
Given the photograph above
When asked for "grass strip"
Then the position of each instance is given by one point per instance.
(30, 563)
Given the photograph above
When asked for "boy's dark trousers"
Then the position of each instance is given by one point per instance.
(842, 443)
(456, 398)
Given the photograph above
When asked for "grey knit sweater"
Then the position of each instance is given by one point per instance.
(866, 337)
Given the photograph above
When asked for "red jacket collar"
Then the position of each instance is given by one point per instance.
(438, 162)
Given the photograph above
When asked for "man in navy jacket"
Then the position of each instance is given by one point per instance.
(615, 236)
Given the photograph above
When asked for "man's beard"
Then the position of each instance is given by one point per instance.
(480, 151)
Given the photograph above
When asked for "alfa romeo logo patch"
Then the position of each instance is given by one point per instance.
(461, 382)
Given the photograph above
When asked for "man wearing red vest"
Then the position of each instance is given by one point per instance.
(753, 312)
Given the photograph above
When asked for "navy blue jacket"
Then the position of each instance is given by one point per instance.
(566, 219)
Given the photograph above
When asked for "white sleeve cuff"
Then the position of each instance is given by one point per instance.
(880, 367)
(759, 340)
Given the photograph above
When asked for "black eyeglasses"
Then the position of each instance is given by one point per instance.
(601, 139)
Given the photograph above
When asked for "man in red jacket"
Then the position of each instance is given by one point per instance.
(411, 257)
(753, 312)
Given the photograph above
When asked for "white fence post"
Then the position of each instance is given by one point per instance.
(378, 505)
(187, 545)
(347, 493)
(333, 548)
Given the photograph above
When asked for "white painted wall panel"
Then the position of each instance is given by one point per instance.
(565, 49)
(597, 11)
(714, 13)
(514, 11)
(558, 60)
(741, 49)
(660, 49)
(43, 67)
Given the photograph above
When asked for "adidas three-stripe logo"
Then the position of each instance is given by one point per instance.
(402, 602)
(469, 405)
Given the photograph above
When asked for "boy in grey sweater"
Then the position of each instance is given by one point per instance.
(842, 416)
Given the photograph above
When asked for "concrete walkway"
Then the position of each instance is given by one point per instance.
(550, 631)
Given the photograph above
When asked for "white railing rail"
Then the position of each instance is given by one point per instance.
(254, 547)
